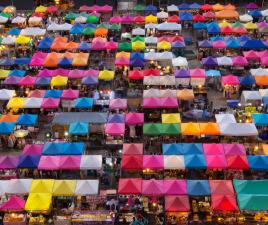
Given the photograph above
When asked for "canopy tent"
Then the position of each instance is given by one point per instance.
(195, 161)
(153, 187)
(91, 162)
(63, 148)
(132, 149)
(19, 186)
(177, 203)
(8, 162)
(172, 149)
(64, 187)
(238, 129)
(237, 162)
(130, 186)
(198, 187)
(174, 162)
(224, 202)
(78, 128)
(258, 162)
(213, 149)
(38, 202)
(221, 187)
(260, 119)
(134, 118)
(14, 203)
(153, 162)
(132, 162)
(44, 186)
(252, 202)
(87, 187)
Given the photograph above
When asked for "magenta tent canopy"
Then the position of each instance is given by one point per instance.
(153, 162)
(49, 163)
(27, 81)
(216, 161)
(234, 149)
(219, 44)
(175, 187)
(132, 149)
(33, 149)
(37, 61)
(115, 19)
(264, 61)
(50, 103)
(106, 8)
(91, 72)
(61, 72)
(97, 45)
(230, 80)
(122, 61)
(111, 45)
(151, 103)
(213, 149)
(118, 103)
(134, 118)
(197, 73)
(263, 53)
(115, 129)
(76, 73)
(14, 203)
(127, 19)
(153, 187)
(45, 73)
(70, 94)
(169, 102)
(70, 162)
(239, 61)
(8, 162)
(251, 55)
(37, 93)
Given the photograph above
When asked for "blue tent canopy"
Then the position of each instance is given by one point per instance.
(184, 6)
(255, 13)
(172, 149)
(6, 127)
(192, 148)
(247, 80)
(28, 161)
(198, 187)
(137, 62)
(76, 30)
(6, 62)
(22, 61)
(44, 45)
(243, 38)
(194, 6)
(178, 44)
(27, 119)
(258, 162)
(53, 93)
(217, 38)
(200, 26)
(63, 148)
(137, 55)
(78, 128)
(83, 46)
(64, 62)
(84, 103)
(116, 118)
(43, 81)
(186, 16)
(254, 44)
(213, 28)
(209, 61)
(195, 161)
(260, 119)
(150, 9)
(90, 80)
(53, 148)
(233, 44)
(205, 44)
(265, 101)
(14, 31)
(91, 25)
(17, 73)
(213, 73)
(232, 103)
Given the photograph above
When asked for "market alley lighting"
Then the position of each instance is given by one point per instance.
(66, 133)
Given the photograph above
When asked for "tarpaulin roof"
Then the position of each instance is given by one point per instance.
(252, 202)
(224, 202)
(63, 148)
(198, 187)
(38, 202)
(260, 119)
(132, 162)
(115, 129)
(221, 187)
(19, 186)
(238, 162)
(87, 187)
(83, 103)
(28, 161)
(64, 187)
(258, 162)
(195, 161)
(27, 120)
(14, 203)
(33, 149)
(132, 149)
(130, 186)
(174, 162)
(153, 162)
(78, 128)
(172, 149)
(153, 187)
(91, 162)
(8, 162)
(177, 203)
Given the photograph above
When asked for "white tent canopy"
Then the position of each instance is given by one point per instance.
(59, 27)
(80, 19)
(245, 18)
(165, 56)
(196, 81)
(33, 103)
(167, 80)
(259, 72)
(3, 19)
(19, 186)
(180, 61)
(150, 26)
(33, 31)
(138, 31)
(172, 8)
(263, 92)
(151, 80)
(264, 12)
(8, 40)
(183, 81)
(238, 129)
(4, 186)
(35, 19)
(151, 40)
(162, 15)
(225, 118)
(91, 162)
(87, 187)
(249, 96)
(169, 26)
(19, 19)
(150, 56)
(174, 162)
(168, 93)
(224, 61)
(152, 92)
(6, 94)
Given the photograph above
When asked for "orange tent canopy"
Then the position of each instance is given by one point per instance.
(81, 59)
(209, 129)
(69, 55)
(52, 60)
(229, 7)
(101, 32)
(61, 39)
(9, 118)
(227, 14)
(185, 94)
(190, 129)
(261, 80)
(58, 45)
(71, 45)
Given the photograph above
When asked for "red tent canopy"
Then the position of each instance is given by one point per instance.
(129, 186)
(221, 187)
(135, 75)
(198, 18)
(151, 72)
(237, 162)
(206, 7)
(173, 19)
(224, 202)
(139, 19)
(133, 148)
(177, 203)
(132, 162)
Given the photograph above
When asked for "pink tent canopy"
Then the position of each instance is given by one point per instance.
(175, 187)
(37, 94)
(151, 103)
(84, 8)
(115, 19)
(209, 15)
(70, 94)
(132, 148)
(251, 55)
(111, 45)
(8, 162)
(27, 81)
(134, 118)
(263, 53)
(52, 9)
(91, 72)
(264, 61)
(213, 149)
(129, 186)
(45, 73)
(33, 149)
(127, 19)
(70, 162)
(49, 162)
(169, 102)
(230, 80)
(122, 61)
(118, 103)
(153, 187)
(262, 24)
(221, 187)
(115, 129)
(106, 8)
(239, 61)
(216, 161)
(61, 72)
(234, 149)
(197, 73)
(153, 162)
(177, 203)
(50, 103)
(219, 44)
(97, 45)
(37, 62)
(14, 203)
(76, 74)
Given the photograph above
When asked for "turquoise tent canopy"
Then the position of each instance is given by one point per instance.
(6, 127)
(78, 128)
(84, 103)
(27, 119)
(253, 202)
(63, 148)
(172, 149)
(260, 119)
(251, 187)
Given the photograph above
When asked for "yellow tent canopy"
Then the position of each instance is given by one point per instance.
(22, 40)
(38, 202)
(185, 94)
(138, 45)
(106, 75)
(4, 73)
(59, 81)
(265, 149)
(151, 19)
(251, 26)
(171, 118)
(64, 187)
(190, 129)
(16, 103)
(41, 9)
(217, 7)
(224, 24)
(163, 45)
(42, 186)
(122, 54)
(80, 59)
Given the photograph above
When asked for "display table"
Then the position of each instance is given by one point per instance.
(40, 220)
(62, 220)
(92, 217)
(14, 219)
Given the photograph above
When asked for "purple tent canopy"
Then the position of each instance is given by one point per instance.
(137, 62)
(116, 118)
(12, 80)
(205, 44)
(127, 19)
(8, 162)
(252, 5)
(178, 44)
(182, 73)
(209, 61)
(90, 80)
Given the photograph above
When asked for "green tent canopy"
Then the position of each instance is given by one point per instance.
(139, 7)
(7, 15)
(170, 129)
(152, 129)
(237, 24)
(253, 202)
(114, 26)
(106, 26)
(138, 38)
(71, 16)
(251, 187)
(88, 31)
(125, 46)
(92, 19)
(83, 14)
